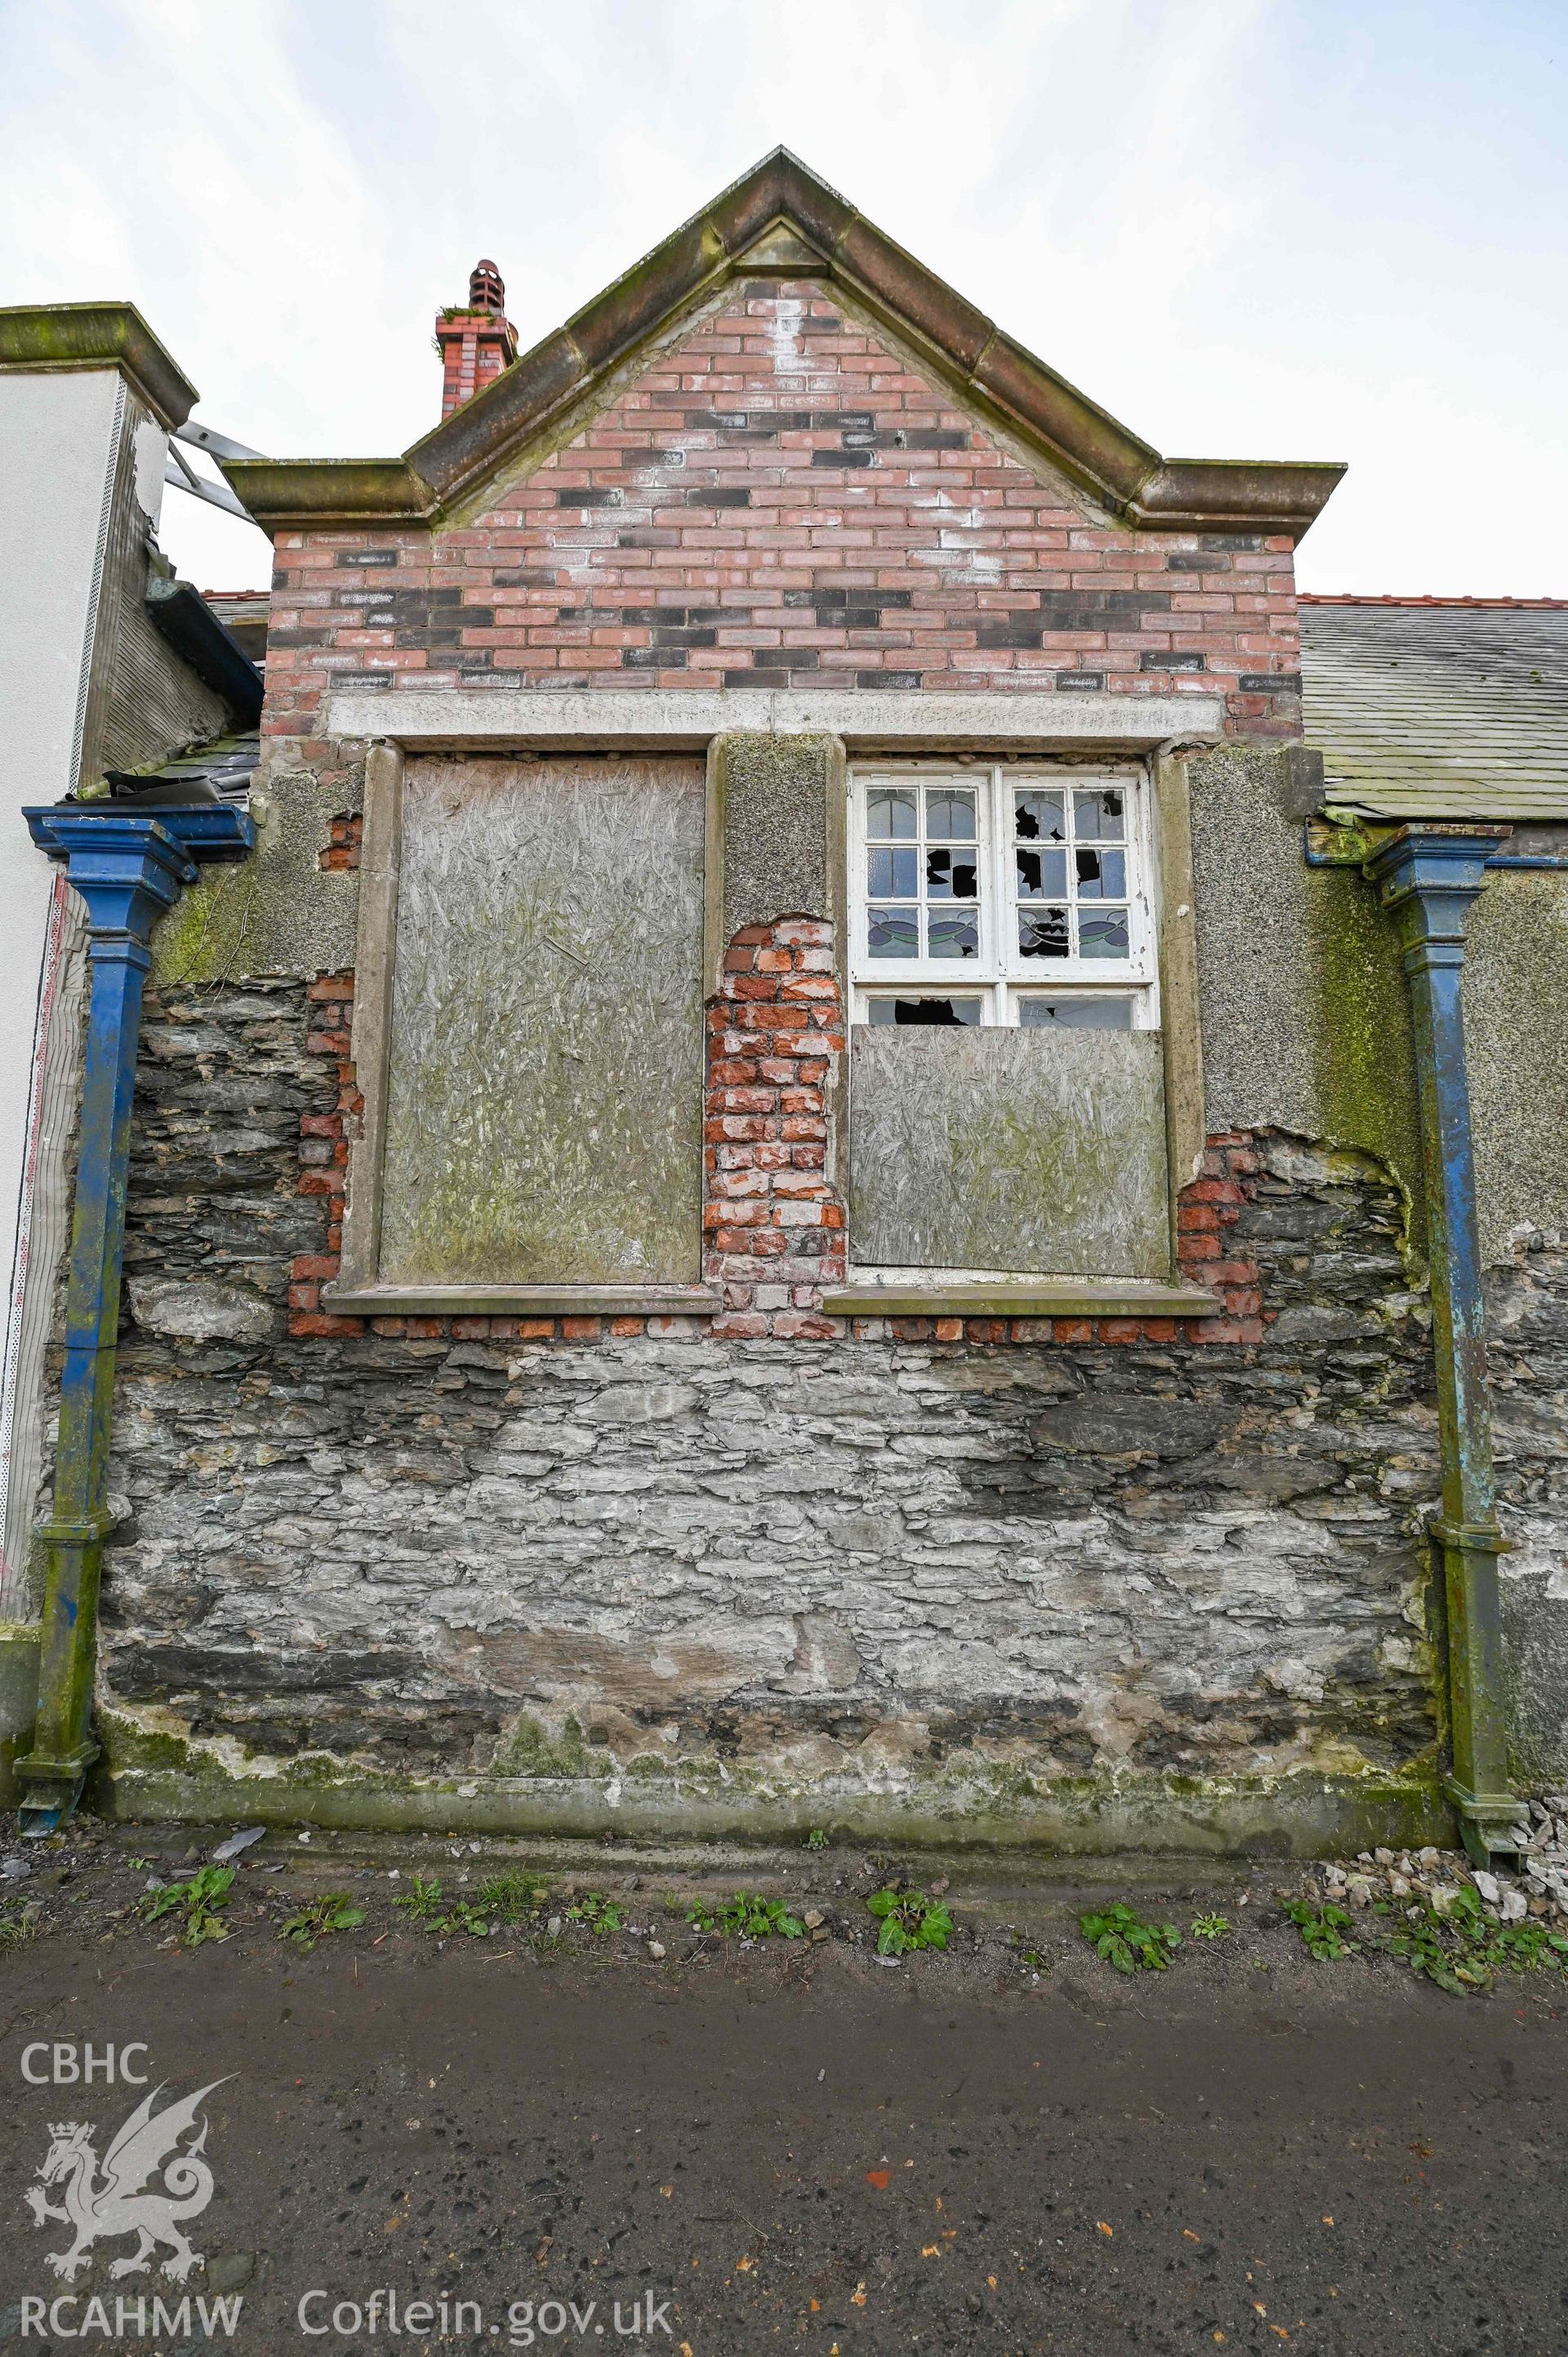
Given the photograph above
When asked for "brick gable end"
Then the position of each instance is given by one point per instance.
(780, 500)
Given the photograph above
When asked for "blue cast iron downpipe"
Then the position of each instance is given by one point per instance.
(128, 867)
(1427, 877)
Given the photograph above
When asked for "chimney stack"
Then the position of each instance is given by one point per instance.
(476, 343)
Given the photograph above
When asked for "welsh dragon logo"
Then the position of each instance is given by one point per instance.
(115, 2196)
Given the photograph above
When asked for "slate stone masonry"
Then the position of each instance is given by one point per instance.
(443, 1551)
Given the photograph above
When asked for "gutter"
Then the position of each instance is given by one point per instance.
(1427, 877)
(184, 619)
(128, 865)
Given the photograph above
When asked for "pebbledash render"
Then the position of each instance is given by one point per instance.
(791, 1191)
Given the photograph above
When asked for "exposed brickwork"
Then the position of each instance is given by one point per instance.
(324, 1153)
(345, 842)
(773, 1224)
(780, 501)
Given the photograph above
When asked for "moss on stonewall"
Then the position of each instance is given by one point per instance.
(1365, 1054)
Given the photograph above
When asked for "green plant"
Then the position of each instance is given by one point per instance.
(1419, 1942)
(910, 1919)
(1210, 1926)
(818, 1838)
(19, 1923)
(422, 1903)
(1322, 1929)
(596, 1912)
(332, 1912)
(752, 1918)
(426, 1907)
(1122, 1939)
(1463, 1950)
(509, 1896)
(202, 1897)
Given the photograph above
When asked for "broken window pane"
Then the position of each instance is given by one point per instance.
(1075, 1014)
(954, 934)
(1042, 933)
(1101, 875)
(1102, 934)
(893, 874)
(950, 876)
(1039, 817)
(890, 815)
(946, 1012)
(1042, 875)
(893, 933)
(950, 814)
(1098, 817)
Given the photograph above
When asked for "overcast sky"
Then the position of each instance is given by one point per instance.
(1283, 229)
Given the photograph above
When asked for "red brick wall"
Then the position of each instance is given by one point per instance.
(779, 502)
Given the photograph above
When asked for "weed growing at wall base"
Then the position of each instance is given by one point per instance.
(201, 1897)
(1123, 1939)
(910, 1921)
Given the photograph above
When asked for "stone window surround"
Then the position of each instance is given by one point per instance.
(1151, 728)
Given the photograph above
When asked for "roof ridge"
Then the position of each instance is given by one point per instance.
(1355, 598)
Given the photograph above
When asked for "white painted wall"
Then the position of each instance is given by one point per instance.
(58, 439)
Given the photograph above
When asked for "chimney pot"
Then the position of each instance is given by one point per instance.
(475, 340)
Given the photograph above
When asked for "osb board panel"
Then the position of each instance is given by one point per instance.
(1037, 1151)
(545, 1091)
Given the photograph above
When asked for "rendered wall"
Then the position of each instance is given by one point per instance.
(58, 440)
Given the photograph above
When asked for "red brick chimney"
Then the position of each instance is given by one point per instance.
(476, 342)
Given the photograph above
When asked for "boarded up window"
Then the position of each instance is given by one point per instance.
(543, 1119)
(1040, 1151)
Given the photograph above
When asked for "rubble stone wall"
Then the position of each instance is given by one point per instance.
(885, 1562)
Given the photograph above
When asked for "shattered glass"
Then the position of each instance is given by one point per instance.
(1099, 817)
(1036, 1014)
(1101, 875)
(950, 876)
(1042, 875)
(1042, 932)
(946, 1013)
(1039, 817)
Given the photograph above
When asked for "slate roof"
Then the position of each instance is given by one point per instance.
(1428, 708)
(226, 763)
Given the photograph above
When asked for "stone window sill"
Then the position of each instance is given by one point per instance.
(522, 1300)
(923, 1293)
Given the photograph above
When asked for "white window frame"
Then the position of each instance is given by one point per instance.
(1000, 978)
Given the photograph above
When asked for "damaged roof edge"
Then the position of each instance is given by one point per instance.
(700, 257)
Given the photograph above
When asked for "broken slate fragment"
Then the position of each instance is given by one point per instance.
(226, 1850)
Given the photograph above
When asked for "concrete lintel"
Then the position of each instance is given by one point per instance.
(522, 1300)
(687, 719)
(915, 1292)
